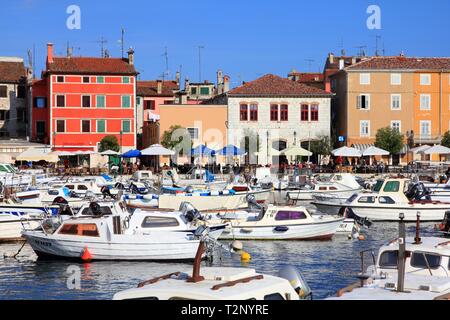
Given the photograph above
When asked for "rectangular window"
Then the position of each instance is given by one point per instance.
(284, 112)
(194, 90)
(149, 104)
(126, 102)
(21, 92)
(126, 80)
(364, 128)
(425, 102)
(193, 132)
(101, 126)
(61, 101)
(86, 126)
(40, 128)
(40, 102)
(363, 102)
(169, 101)
(101, 101)
(243, 112)
(126, 126)
(273, 112)
(425, 79)
(253, 112)
(314, 112)
(396, 125)
(396, 101)
(100, 79)
(86, 101)
(3, 91)
(396, 79)
(60, 126)
(425, 129)
(86, 79)
(60, 79)
(304, 112)
(204, 91)
(3, 115)
(364, 78)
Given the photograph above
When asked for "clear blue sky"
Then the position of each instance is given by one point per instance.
(245, 38)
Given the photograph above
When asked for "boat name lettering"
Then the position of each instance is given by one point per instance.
(43, 243)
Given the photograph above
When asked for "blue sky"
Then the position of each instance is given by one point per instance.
(246, 38)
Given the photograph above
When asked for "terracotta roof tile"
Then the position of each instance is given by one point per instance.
(12, 72)
(402, 63)
(272, 85)
(84, 65)
(150, 88)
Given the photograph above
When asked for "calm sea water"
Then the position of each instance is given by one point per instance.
(327, 266)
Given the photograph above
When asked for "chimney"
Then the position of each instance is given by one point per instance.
(219, 82)
(49, 53)
(159, 86)
(131, 56)
(226, 84)
(331, 58)
(186, 85)
(341, 64)
(353, 60)
(177, 78)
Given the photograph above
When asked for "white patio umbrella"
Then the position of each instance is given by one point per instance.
(420, 149)
(374, 151)
(35, 154)
(6, 158)
(437, 149)
(157, 150)
(346, 152)
(296, 151)
(109, 153)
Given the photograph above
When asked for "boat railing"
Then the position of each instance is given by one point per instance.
(363, 274)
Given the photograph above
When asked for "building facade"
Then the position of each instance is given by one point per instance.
(276, 113)
(410, 95)
(81, 100)
(14, 98)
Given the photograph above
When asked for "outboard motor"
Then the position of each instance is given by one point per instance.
(297, 281)
(106, 192)
(59, 201)
(189, 189)
(252, 203)
(445, 224)
(119, 186)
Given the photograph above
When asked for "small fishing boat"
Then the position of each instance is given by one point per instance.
(342, 185)
(278, 223)
(389, 198)
(220, 283)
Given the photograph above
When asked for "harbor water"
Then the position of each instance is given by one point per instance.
(326, 265)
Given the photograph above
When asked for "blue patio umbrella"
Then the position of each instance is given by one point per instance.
(231, 150)
(132, 154)
(202, 150)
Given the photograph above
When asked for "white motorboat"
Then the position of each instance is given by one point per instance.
(197, 179)
(278, 223)
(15, 217)
(220, 283)
(342, 185)
(389, 198)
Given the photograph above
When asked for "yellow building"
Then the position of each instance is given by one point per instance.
(408, 94)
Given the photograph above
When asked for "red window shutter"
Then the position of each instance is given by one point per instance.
(314, 112)
(253, 112)
(304, 112)
(273, 112)
(243, 112)
(284, 112)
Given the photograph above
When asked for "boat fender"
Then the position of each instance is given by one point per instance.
(245, 256)
(86, 256)
(237, 245)
(361, 237)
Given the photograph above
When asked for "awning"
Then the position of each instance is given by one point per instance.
(363, 146)
(36, 155)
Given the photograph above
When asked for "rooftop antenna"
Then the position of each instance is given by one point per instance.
(341, 44)
(361, 51)
(30, 61)
(166, 57)
(200, 63)
(310, 62)
(377, 39)
(34, 60)
(102, 42)
(122, 42)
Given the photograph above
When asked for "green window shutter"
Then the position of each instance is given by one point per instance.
(101, 126)
(126, 126)
(204, 91)
(100, 79)
(126, 80)
(126, 102)
(101, 101)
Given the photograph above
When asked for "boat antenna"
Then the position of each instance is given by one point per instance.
(417, 239)
(401, 253)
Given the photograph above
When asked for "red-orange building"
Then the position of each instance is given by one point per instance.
(80, 100)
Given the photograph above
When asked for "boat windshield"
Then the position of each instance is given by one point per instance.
(378, 186)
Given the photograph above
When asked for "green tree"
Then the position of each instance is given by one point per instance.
(390, 140)
(321, 146)
(446, 139)
(109, 143)
(177, 138)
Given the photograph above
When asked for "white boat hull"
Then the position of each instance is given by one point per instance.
(320, 230)
(119, 247)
